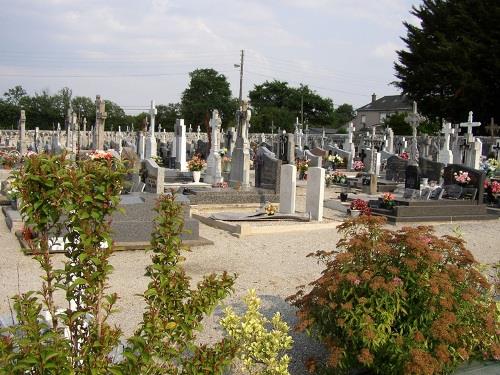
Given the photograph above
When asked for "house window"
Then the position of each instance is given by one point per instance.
(363, 120)
(383, 116)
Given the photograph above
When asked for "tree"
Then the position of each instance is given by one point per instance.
(397, 122)
(85, 107)
(343, 114)
(451, 63)
(276, 103)
(14, 95)
(167, 115)
(207, 90)
(116, 115)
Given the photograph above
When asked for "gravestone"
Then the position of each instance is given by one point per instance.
(180, 145)
(267, 170)
(202, 148)
(240, 162)
(315, 192)
(286, 148)
(445, 154)
(22, 133)
(412, 177)
(430, 169)
(100, 120)
(314, 160)
(150, 149)
(288, 186)
(317, 151)
(396, 169)
(213, 174)
(477, 178)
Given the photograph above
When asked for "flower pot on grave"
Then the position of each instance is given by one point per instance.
(196, 176)
(343, 197)
(354, 213)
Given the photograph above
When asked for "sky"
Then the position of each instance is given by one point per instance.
(132, 52)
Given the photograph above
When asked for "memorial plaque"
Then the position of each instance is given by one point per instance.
(436, 193)
(453, 191)
(469, 193)
(411, 194)
(267, 170)
(425, 194)
(412, 179)
(396, 169)
(476, 176)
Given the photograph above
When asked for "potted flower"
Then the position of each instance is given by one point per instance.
(404, 155)
(270, 209)
(388, 200)
(195, 165)
(359, 207)
(302, 166)
(226, 164)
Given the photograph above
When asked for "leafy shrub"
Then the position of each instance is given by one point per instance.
(79, 197)
(399, 302)
(260, 351)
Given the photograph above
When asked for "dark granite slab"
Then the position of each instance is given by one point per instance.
(232, 196)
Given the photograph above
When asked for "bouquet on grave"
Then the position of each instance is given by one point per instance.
(461, 177)
(270, 209)
(9, 158)
(404, 155)
(388, 200)
(358, 165)
(490, 166)
(492, 186)
(196, 164)
(336, 159)
(98, 155)
(302, 165)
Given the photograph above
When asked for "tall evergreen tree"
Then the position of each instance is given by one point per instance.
(451, 64)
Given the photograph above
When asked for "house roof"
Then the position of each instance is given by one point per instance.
(388, 103)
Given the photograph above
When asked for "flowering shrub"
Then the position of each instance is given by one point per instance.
(9, 158)
(360, 205)
(461, 177)
(196, 163)
(388, 200)
(358, 165)
(261, 351)
(399, 302)
(404, 155)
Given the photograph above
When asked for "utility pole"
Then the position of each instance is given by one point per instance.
(241, 75)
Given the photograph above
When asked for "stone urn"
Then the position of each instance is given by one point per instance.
(354, 213)
(196, 176)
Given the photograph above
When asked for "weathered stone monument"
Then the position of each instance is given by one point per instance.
(22, 133)
(240, 163)
(151, 149)
(472, 147)
(214, 168)
(267, 170)
(445, 154)
(100, 119)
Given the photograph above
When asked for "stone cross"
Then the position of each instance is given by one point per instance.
(445, 154)
(152, 113)
(214, 169)
(497, 149)
(414, 120)
(492, 128)
(190, 128)
(100, 120)
(198, 130)
(159, 128)
(469, 125)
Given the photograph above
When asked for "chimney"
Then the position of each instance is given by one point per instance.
(374, 97)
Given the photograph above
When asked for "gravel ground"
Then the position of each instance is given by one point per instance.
(273, 264)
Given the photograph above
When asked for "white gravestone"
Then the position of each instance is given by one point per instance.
(315, 192)
(288, 186)
(349, 145)
(240, 163)
(471, 152)
(180, 145)
(445, 155)
(151, 151)
(22, 133)
(214, 169)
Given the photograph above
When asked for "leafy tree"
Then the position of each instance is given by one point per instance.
(85, 107)
(276, 103)
(116, 115)
(14, 95)
(167, 114)
(451, 63)
(397, 122)
(343, 114)
(207, 90)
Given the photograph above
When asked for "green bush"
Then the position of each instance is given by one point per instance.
(61, 195)
(399, 302)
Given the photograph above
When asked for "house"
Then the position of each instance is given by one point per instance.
(375, 112)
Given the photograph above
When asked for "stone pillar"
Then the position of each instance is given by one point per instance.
(288, 186)
(315, 192)
(240, 163)
(22, 133)
(476, 151)
(141, 149)
(445, 155)
(180, 145)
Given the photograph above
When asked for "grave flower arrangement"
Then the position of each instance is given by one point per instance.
(404, 155)
(490, 166)
(358, 165)
(335, 159)
(196, 164)
(270, 209)
(360, 205)
(398, 302)
(492, 186)
(302, 165)
(461, 177)
(98, 154)
(388, 200)
(223, 151)
(335, 178)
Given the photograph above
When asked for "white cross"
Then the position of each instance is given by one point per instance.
(469, 124)
(152, 113)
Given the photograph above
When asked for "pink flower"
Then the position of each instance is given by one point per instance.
(357, 282)
(397, 281)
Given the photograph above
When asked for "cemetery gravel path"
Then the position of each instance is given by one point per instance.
(273, 264)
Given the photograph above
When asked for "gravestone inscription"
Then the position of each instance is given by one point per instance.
(396, 168)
